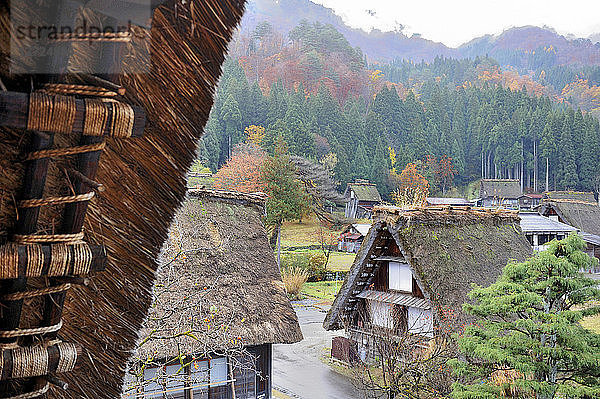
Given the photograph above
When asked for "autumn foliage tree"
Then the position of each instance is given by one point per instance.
(441, 170)
(413, 188)
(243, 171)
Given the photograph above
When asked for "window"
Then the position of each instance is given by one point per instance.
(381, 314)
(199, 373)
(400, 277)
(218, 372)
(165, 382)
(205, 379)
(420, 321)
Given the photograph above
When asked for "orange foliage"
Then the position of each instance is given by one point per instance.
(243, 170)
(584, 96)
(512, 80)
(412, 178)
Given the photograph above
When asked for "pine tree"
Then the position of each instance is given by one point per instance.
(379, 168)
(360, 164)
(527, 330)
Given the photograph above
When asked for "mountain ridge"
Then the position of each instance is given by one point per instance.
(515, 45)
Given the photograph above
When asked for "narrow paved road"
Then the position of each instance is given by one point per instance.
(298, 370)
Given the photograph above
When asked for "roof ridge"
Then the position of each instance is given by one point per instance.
(257, 198)
(569, 201)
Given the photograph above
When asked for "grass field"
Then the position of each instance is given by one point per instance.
(326, 290)
(592, 323)
(307, 233)
(294, 234)
(338, 261)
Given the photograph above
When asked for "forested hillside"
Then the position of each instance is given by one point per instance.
(317, 93)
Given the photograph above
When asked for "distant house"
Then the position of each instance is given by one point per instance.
(352, 237)
(414, 262)
(582, 211)
(499, 192)
(579, 196)
(220, 301)
(434, 201)
(360, 198)
(540, 230)
(529, 201)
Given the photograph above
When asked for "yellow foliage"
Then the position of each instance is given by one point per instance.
(255, 135)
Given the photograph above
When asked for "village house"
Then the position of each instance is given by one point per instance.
(499, 192)
(360, 198)
(220, 300)
(540, 230)
(352, 237)
(576, 209)
(415, 262)
(529, 201)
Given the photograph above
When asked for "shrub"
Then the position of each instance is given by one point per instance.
(312, 264)
(293, 279)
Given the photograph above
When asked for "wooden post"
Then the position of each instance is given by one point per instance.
(73, 219)
(33, 188)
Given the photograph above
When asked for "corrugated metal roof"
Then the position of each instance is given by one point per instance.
(362, 228)
(536, 223)
(395, 298)
(590, 238)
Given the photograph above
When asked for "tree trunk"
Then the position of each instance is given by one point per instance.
(547, 169)
(535, 166)
(279, 247)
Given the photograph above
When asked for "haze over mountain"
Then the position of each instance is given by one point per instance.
(525, 47)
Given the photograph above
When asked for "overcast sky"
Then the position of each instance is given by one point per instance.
(454, 22)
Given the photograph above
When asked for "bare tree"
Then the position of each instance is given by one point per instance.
(405, 362)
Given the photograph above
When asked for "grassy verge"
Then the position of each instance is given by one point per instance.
(326, 290)
(338, 261)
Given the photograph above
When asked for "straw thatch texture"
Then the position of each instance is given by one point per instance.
(219, 281)
(583, 215)
(500, 188)
(447, 250)
(364, 191)
(582, 196)
(144, 180)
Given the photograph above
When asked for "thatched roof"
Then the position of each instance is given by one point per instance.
(447, 250)
(581, 196)
(144, 181)
(583, 215)
(435, 201)
(363, 191)
(218, 280)
(500, 188)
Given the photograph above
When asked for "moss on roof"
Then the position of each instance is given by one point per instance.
(365, 191)
(500, 188)
(582, 196)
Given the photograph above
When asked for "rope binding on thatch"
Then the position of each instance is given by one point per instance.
(34, 203)
(74, 89)
(94, 36)
(62, 254)
(81, 149)
(23, 332)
